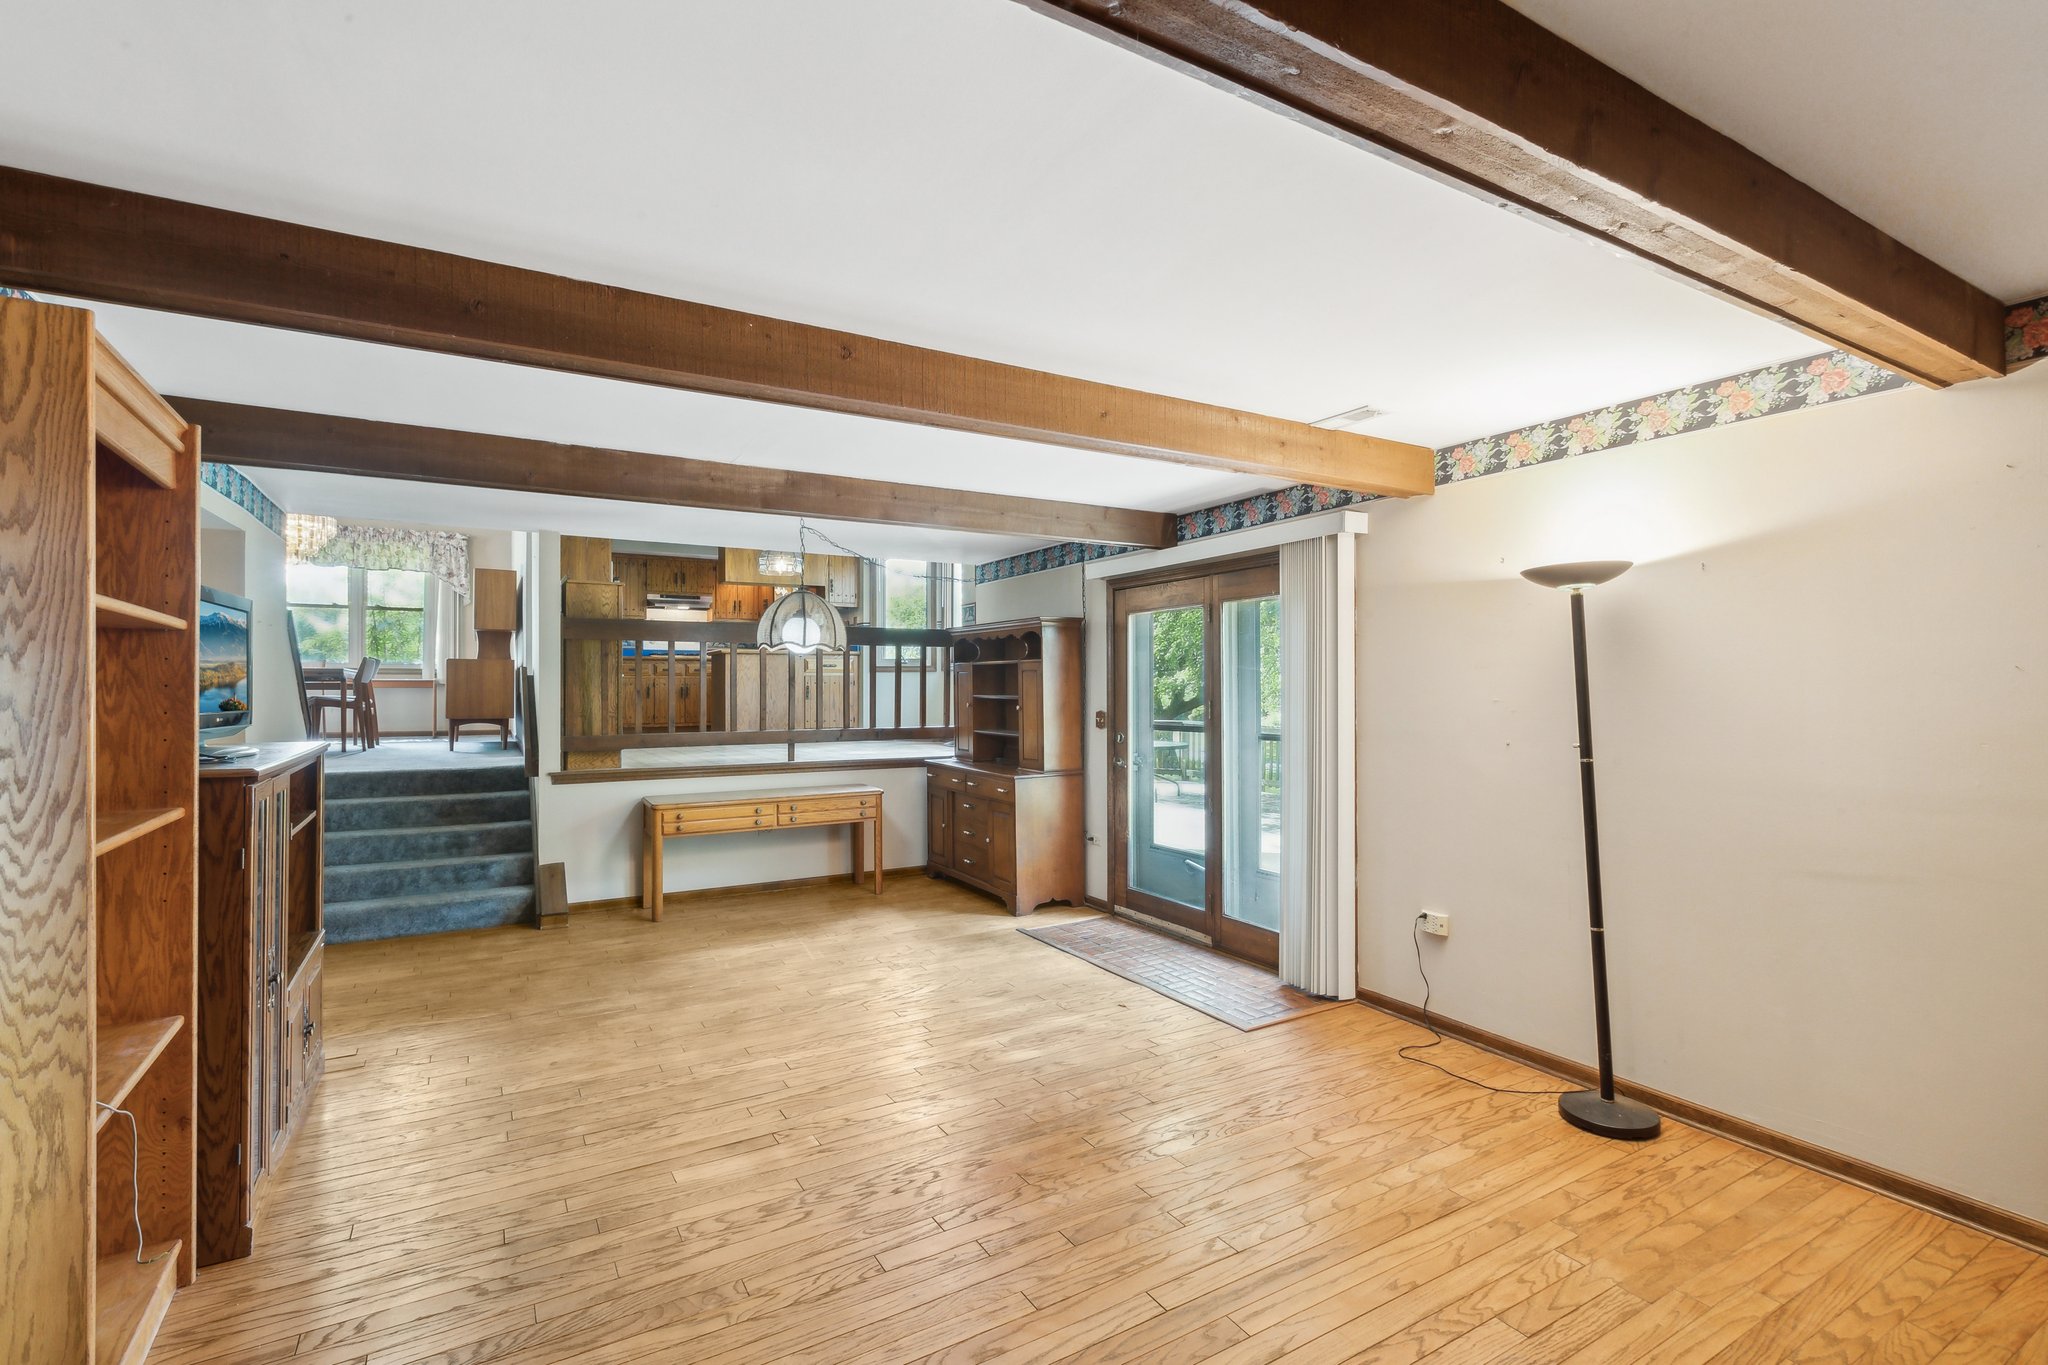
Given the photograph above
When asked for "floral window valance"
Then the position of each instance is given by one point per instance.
(322, 540)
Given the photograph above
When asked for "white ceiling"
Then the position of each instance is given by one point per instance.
(964, 174)
(1921, 116)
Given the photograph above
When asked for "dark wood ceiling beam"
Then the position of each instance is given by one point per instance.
(276, 438)
(115, 246)
(1491, 101)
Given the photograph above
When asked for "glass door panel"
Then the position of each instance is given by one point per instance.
(1195, 789)
(1167, 847)
(1249, 774)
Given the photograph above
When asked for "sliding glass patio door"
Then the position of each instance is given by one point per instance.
(1195, 799)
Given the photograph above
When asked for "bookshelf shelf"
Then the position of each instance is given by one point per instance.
(119, 827)
(132, 1298)
(125, 1054)
(111, 613)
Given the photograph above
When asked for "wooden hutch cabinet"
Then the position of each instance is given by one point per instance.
(262, 827)
(1003, 814)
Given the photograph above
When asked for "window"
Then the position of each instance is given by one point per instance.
(343, 614)
(395, 617)
(917, 595)
(318, 597)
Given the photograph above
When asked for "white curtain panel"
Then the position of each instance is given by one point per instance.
(453, 638)
(1318, 766)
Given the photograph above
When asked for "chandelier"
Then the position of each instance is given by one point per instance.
(306, 536)
(780, 563)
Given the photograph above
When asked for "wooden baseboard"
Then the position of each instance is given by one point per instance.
(2013, 1227)
(745, 888)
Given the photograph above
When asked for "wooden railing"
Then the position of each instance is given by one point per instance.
(680, 684)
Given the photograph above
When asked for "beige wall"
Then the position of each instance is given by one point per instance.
(240, 555)
(1052, 592)
(1821, 719)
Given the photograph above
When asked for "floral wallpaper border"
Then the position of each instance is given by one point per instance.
(2026, 331)
(1809, 382)
(232, 484)
(1826, 378)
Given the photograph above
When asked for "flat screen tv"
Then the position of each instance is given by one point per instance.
(224, 696)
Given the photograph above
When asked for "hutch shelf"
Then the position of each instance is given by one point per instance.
(1003, 814)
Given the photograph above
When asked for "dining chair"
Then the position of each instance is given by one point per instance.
(358, 699)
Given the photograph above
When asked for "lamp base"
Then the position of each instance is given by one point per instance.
(1621, 1119)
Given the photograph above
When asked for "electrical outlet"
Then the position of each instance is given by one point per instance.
(1436, 922)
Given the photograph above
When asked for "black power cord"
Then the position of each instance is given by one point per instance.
(1415, 933)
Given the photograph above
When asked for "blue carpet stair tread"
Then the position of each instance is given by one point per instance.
(354, 847)
(441, 913)
(368, 881)
(427, 850)
(410, 812)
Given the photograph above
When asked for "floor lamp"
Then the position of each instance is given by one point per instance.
(1595, 1111)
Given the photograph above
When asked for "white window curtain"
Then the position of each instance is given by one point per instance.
(453, 636)
(1319, 763)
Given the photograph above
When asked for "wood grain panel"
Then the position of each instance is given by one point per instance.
(146, 551)
(90, 241)
(278, 439)
(1487, 99)
(46, 824)
(223, 1229)
(133, 420)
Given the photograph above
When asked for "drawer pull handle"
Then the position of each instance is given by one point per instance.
(973, 784)
(966, 805)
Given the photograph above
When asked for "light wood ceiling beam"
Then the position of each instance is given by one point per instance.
(276, 438)
(1489, 100)
(117, 246)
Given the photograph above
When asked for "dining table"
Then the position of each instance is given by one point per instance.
(340, 679)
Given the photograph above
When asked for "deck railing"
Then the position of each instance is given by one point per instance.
(1181, 754)
(637, 684)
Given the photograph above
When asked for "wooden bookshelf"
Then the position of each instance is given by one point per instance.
(99, 564)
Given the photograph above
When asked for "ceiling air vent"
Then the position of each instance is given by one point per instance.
(1351, 420)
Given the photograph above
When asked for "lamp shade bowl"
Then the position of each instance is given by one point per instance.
(1584, 573)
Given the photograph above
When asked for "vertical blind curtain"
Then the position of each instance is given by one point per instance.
(1318, 766)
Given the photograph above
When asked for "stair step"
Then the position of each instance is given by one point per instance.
(347, 784)
(436, 841)
(370, 881)
(404, 916)
(350, 814)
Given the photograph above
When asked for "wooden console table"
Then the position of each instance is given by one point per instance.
(744, 812)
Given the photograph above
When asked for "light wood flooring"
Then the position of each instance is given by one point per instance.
(809, 1126)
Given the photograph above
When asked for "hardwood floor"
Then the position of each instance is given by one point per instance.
(811, 1126)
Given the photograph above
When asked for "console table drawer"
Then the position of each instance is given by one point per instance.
(825, 815)
(719, 810)
(715, 824)
(843, 807)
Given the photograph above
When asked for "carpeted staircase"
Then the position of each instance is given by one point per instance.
(427, 850)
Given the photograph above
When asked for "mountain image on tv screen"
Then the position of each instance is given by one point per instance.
(223, 661)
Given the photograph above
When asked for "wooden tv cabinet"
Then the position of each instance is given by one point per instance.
(262, 827)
